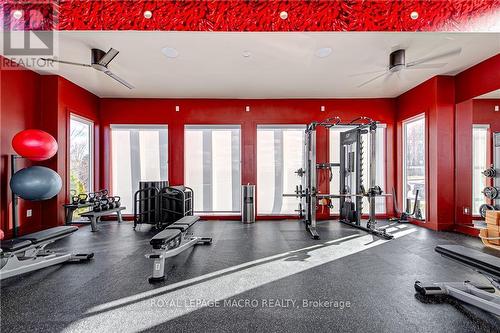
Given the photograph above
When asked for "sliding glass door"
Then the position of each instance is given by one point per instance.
(138, 153)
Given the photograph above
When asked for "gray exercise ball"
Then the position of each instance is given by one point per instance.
(36, 183)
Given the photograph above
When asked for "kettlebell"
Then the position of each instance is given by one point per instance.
(75, 200)
(97, 206)
(82, 198)
(117, 201)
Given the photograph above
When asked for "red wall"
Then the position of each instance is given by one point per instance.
(29, 100)
(20, 94)
(477, 111)
(210, 111)
(478, 80)
(435, 98)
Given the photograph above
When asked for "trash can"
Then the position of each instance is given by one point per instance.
(248, 203)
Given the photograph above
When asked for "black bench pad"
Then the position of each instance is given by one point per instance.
(181, 227)
(189, 220)
(15, 244)
(44, 235)
(164, 237)
(483, 262)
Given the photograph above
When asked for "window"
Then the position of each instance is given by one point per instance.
(139, 153)
(479, 164)
(81, 159)
(380, 202)
(280, 152)
(414, 150)
(212, 167)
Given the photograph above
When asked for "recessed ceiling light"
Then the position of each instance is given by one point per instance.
(148, 14)
(17, 14)
(414, 15)
(323, 52)
(246, 54)
(284, 15)
(170, 52)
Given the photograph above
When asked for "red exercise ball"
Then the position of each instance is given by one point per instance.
(34, 144)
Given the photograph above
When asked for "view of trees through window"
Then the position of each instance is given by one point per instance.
(414, 163)
(80, 146)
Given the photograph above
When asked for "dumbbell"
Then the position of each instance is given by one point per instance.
(82, 198)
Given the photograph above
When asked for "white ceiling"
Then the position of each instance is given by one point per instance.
(281, 65)
(491, 95)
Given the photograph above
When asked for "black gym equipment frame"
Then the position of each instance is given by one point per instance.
(351, 152)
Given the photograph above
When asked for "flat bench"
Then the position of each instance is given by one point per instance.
(95, 217)
(170, 242)
(28, 253)
(480, 295)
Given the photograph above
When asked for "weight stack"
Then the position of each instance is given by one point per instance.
(148, 200)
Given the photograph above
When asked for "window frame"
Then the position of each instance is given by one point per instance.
(240, 157)
(91, 124)
(485, 127)
(299, 179)
(135, 127)
(404, 193)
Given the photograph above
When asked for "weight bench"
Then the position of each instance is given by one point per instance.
(481, 296)
(170, 242)
(28, 253)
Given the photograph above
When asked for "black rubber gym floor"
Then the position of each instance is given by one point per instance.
(265, 277)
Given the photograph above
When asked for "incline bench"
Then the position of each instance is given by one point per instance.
(482, 296)
(28, 253)
(170, 242)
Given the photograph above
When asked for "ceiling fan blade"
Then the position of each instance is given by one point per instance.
(435, 57)
(106, 59)
(373, 79)
(119, 79)
(428, 66)
(366, 73)
(66, 62)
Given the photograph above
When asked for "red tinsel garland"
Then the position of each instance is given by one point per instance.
(213, 15)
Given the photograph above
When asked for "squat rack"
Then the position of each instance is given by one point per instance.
(351, 177)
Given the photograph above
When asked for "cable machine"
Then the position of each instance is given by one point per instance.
(352, 191)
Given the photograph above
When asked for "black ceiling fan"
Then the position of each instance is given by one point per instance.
(397, 62)
(98, 60)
